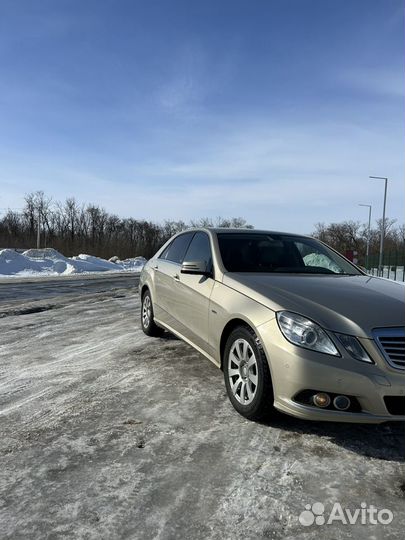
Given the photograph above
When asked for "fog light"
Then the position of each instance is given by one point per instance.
(321, 400)
(342, 403)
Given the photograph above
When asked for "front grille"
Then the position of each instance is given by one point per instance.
(395, 404)
(391, 342)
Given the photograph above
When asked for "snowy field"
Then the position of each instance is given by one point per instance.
(108, 434)
(49, 262)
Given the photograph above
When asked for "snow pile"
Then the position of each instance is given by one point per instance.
(12, 262)
(101, 264)
(135, 264)
(50, 262)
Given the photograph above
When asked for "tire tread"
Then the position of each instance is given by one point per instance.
(264, 408)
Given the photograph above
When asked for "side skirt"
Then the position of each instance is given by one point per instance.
(167, 327)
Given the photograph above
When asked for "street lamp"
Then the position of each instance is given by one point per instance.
(380, 260)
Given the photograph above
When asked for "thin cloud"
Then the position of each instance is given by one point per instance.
(387, 82)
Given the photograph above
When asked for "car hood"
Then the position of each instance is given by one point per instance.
(348, 304)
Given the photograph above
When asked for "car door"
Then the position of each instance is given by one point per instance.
(166, 268)
(192, 293)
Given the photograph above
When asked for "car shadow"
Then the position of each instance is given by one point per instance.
(378, 441)
(168, 336)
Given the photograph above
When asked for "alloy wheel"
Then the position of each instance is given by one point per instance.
(146, 311)
(242, 371)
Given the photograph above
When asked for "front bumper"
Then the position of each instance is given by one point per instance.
(294, 370)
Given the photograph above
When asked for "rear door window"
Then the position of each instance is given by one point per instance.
(176, 250)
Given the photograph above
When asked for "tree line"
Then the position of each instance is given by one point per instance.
(353, 235)
(73, 228)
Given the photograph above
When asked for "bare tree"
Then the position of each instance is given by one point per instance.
(353, 235)
(73, 228)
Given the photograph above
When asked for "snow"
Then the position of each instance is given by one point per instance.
(390, 272)
(106, 433)
(49, 262)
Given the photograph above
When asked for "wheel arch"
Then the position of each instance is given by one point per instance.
(226, 332)
(144, 289)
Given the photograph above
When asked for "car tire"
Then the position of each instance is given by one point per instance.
(148, 324)
(247, 375)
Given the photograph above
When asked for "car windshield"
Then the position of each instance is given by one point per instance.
(260, 252)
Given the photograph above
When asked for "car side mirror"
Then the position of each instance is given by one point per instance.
(195, 267)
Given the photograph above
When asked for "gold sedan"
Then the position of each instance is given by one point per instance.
(293, 325)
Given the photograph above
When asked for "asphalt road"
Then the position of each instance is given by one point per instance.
(108, 434)
(38, 288)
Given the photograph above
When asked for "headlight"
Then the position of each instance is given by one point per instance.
(305, 333)
(354, 348)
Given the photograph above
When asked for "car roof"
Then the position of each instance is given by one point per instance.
(225, 230)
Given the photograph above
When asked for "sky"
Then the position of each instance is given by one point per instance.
(273, 110)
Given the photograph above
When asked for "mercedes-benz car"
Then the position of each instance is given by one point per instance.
(293, 325)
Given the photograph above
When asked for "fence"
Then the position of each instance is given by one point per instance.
(392, 265)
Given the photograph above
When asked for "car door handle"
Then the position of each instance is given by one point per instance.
(156, 266)
(176, 277)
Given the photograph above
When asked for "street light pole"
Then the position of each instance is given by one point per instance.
(368, 232)
(380, 260)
